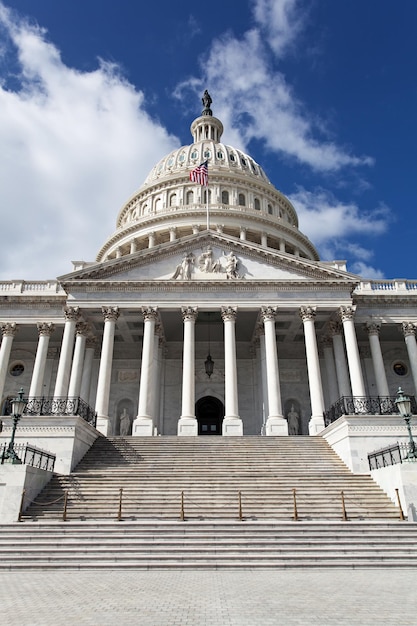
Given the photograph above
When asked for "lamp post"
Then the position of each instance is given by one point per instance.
(18, 406)
(403, 403)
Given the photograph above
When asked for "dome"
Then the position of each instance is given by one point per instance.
(240, 199)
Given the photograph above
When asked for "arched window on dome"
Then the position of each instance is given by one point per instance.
(257, 204)
(225, 197)
(189, 197)
(158, 205)
(145, 209)
(241, 199)
(205, 192)
(270, 211)
(173, 199)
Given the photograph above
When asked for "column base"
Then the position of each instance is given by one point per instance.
(232, 427)
(316, 425)
(276, 426)
(103, 424)
(142, 427)
(187, 427)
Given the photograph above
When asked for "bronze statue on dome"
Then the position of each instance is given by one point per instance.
(206, 100)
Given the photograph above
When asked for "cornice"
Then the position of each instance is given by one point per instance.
(156, 286)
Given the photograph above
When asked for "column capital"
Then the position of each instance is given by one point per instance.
(268, 313)
(45, 329)
(408, 329)
(346, 313)
(72, 313)
(228, 313)
(9, 329)
(189, 313)
(110, 313)
(372, 328)
(82, 328)
(335, 328)
(149, 313)
(307, 313)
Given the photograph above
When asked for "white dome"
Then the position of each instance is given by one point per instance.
(242, 202)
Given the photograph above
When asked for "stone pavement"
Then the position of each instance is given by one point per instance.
(207, 598)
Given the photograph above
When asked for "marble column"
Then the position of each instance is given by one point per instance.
(232, 424)
(111, 315)
(276, 424)
(45, 330)
(378, 362)
(187, 424)
(330, 365)
(143, 424)
(356, 378)
(342, 372)
(316, 424)
(263, 381)
(90, 346)
(8, 331)
(409, 331)
(81, 331)
(72, 316)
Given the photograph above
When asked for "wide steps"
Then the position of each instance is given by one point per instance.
(155, 473)
(202, 545)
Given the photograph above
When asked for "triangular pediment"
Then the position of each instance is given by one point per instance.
(208, 257)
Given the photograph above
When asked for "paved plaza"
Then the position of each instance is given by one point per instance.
(205, 598)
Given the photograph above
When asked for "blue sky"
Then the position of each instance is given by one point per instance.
(322, 93)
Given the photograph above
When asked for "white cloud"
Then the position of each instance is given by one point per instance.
(328, 222)
(256, 97)
(281, 20)
(74, 146)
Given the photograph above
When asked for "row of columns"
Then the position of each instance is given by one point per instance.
(75, 365)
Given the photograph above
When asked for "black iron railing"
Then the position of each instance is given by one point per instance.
(357, 405)
(392, 455)
(58, 406)
(29, 455)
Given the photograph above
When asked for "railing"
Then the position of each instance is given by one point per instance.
(29, 455)
(392, 455)
(357, 405)
(58, 406)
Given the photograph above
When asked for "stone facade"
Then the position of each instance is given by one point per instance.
(192, 271)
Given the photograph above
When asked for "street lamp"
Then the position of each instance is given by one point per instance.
(403, 403)
(18, 406)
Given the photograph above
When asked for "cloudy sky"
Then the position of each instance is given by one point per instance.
(322, 93)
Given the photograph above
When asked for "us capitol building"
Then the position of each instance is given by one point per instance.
(208, 312)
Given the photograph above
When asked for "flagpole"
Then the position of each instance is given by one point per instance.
(208, 222)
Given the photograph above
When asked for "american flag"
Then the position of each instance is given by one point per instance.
(200, 174)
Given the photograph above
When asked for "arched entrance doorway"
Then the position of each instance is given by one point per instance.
(209, 412)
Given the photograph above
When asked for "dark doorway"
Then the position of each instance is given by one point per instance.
(209, 413)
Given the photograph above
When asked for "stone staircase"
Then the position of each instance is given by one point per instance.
(206, 545)
(167, 478)
(153, 526)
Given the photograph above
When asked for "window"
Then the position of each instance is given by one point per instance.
(270, 212)
(205, 195)
(242, 200)
(194, 154)
(232, 157)
(207, 154)
(190, 197)
(173, 199)
(257, 204)
(225, 197)
(17, 369)
(220, 155)
(400, 368)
